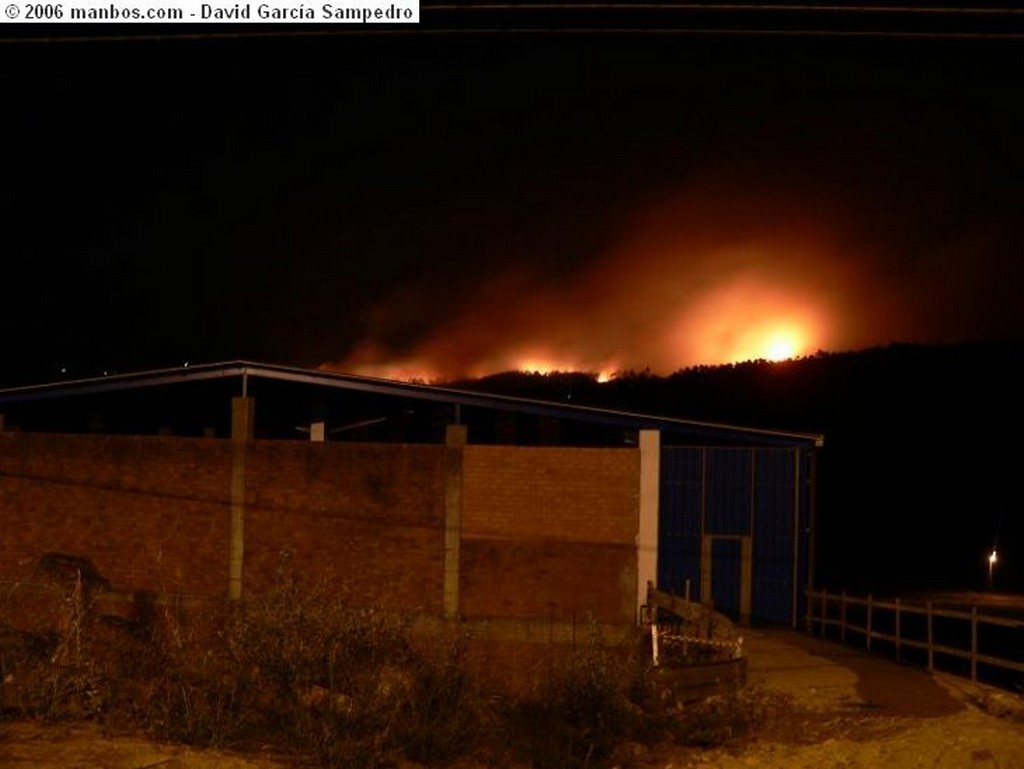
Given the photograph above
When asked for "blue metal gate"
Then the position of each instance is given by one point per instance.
(722, 505)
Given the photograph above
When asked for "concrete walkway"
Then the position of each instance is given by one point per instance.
(824, 675)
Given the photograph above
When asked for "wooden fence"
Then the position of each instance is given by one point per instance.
(887, 621)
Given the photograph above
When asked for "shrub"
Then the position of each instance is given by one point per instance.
(301, 668)
(296, 667)
(591, 702)
(723, 718)
(55, 675)
(447, 715)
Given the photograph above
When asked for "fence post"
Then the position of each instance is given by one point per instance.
(842, 617)
(897, 629)
(931, 637)
(974, 642)
(867, 637)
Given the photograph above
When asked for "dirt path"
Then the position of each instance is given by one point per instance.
(85, 746)
(824, 675)
(851, 710)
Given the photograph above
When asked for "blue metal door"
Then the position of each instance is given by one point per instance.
(721, 493)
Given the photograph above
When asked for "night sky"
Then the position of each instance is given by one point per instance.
(444, 205)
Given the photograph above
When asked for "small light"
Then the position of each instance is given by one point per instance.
(992, 557)
(185, 365)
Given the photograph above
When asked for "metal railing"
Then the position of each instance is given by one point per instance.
(887, 621)
(697, 625)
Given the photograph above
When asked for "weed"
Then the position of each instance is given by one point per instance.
(590, 703)
(723, 718)
(447, 715)
(305, 670)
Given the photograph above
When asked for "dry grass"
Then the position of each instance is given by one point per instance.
(304, 670)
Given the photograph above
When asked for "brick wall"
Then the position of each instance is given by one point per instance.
(550, 532)
(148, 512)
(369, 515)
(547, 533)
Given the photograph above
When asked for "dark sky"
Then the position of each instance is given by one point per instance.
(451, 204)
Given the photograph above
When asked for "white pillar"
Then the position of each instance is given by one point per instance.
(647, 531)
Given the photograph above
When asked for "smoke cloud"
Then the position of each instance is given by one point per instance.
(719, 273)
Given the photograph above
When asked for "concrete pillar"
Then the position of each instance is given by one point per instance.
(455, 440)
(317, 432)
(243, 417)
(647, 531)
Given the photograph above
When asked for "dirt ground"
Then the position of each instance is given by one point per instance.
(844, 709)
(969, 738)
(829, 708)
(809, 740)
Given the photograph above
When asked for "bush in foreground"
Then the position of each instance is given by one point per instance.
(350, 688)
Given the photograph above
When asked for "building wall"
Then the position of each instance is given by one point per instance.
(547, 533)
(148, 512)
(550, 532)
(367, 515)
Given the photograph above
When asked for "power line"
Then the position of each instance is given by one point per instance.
(526, 31)
(712, 7)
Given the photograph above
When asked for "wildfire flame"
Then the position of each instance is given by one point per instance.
(680, 288)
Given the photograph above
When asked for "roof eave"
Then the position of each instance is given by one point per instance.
(241, 368)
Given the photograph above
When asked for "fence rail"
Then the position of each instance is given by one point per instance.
(831, 610)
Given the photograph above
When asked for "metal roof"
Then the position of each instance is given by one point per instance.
(245, 370)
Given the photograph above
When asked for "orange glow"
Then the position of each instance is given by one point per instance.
(539, 366)
(407, 370)
(773, 342)
(398, 371)
(750, 318)
(783, 345)
(710, 277)
(743, 318)
(542, 361)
